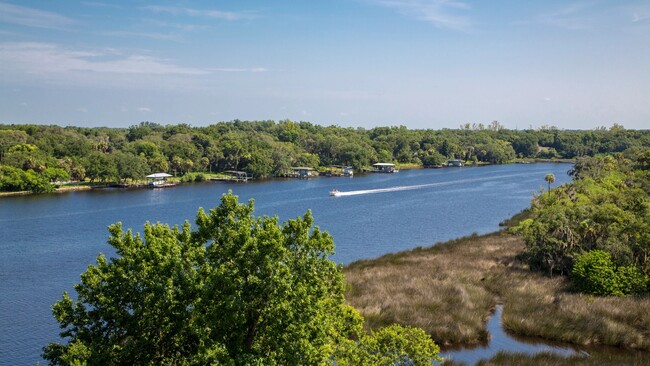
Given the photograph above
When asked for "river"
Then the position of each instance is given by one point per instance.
(47, 241)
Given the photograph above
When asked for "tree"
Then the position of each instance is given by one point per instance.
(236, 290)
(550, 179)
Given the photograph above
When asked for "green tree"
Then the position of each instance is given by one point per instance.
(236, 290)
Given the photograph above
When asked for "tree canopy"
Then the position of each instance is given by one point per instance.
(234, 290)
(269, 148)
(605, 209)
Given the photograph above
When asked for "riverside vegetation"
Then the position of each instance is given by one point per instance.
(33, 156)
(450, 289)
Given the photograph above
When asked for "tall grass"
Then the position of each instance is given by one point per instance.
(451, 289)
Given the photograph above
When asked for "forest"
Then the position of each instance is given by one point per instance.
(32, 157)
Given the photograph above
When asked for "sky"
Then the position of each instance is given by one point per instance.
(352, 63)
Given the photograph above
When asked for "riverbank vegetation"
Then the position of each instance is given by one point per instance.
(450, 290)
(550, 359)
(32, 156)
(235, 290)
(597, 228)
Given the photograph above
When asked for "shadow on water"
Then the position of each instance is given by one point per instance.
(500, 341)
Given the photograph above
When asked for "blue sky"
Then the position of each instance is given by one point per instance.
(361, 63)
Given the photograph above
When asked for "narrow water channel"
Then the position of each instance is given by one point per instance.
(500, 341)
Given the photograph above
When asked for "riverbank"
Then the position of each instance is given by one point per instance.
(450, 290)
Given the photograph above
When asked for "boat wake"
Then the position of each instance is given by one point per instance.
(420, 186)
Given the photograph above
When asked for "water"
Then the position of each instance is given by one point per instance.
(501, 341)
(47, 241)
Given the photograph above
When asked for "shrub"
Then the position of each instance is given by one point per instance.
(595, 273)
(631, 280)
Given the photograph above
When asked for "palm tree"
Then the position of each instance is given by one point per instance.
(550, 178)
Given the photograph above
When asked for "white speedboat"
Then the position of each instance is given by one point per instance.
(334, 192)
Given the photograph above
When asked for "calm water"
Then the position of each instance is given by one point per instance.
(501, 341)
(47, 241)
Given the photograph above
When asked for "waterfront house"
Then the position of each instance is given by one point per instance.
(454, 162)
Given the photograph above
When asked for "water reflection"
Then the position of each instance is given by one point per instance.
(501, 341)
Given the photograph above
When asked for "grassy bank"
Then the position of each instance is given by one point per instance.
(549, 359)
(450, 290)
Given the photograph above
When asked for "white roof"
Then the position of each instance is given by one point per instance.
(383, 164)
(159, 175)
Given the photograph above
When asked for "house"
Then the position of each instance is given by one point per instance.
(454, 162)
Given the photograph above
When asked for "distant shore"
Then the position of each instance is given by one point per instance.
(85, 186)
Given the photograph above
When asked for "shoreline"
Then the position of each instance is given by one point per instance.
(87, 186)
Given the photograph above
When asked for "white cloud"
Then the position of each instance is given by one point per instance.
(203, 13)
(43, 58)
(636, 17)
(150, 35)
(572, 16)
(83, 110)
(29, 17)
(441, 13)
(237, 69)
(144, 109)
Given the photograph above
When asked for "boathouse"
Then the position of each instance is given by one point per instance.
(159, 179)
(454, 162)
(384, 168)
(238, 175)
(302, 172)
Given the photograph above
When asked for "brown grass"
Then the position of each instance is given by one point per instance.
(450, 290)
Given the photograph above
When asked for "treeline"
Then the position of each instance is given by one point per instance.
(32, 156)
(597, 228)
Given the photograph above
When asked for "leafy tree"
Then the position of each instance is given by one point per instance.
(9, 138)
(236, 290)
(130, 166)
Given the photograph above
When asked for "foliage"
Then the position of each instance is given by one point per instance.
(606, 208)
(268, 148)
(595, 273)
(15, 180)
(235, 290)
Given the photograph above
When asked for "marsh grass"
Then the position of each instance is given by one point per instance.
(450, 290)
(550, 359)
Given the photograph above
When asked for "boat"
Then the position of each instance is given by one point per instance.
(334, 192)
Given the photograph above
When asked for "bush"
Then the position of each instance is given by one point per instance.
(631, 280)
(193, 177)
(595, 273)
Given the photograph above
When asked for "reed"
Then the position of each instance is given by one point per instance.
(450, 290)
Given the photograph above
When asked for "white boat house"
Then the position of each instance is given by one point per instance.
(158, 179)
